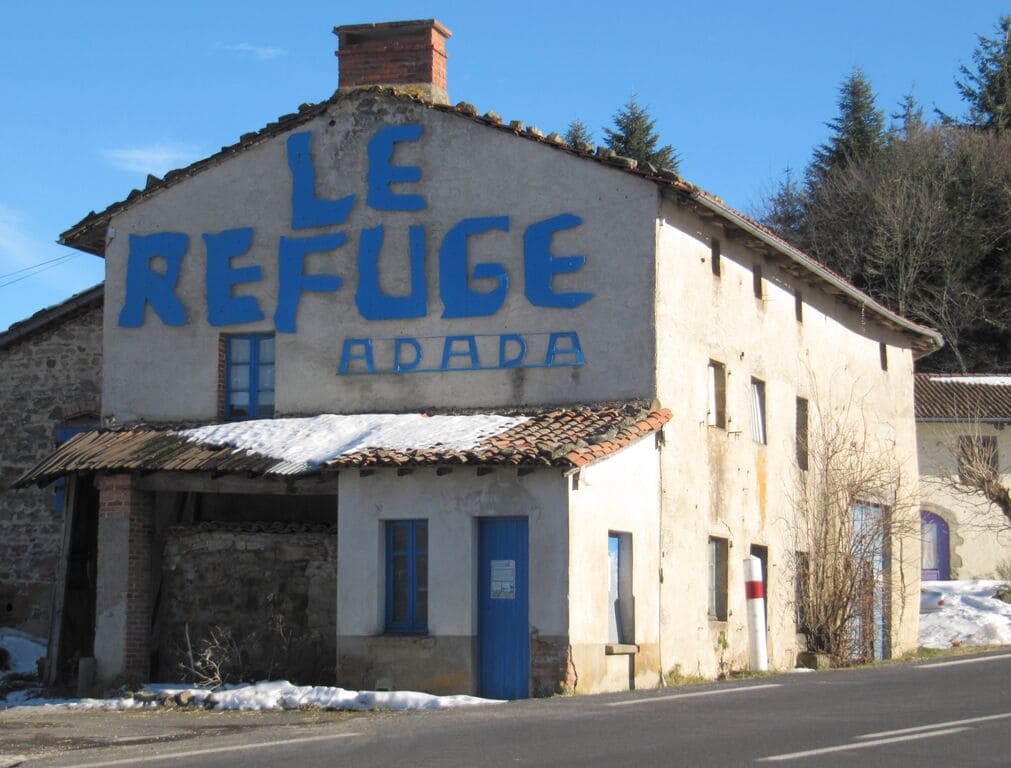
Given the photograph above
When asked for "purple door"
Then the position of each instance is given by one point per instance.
(934, 534)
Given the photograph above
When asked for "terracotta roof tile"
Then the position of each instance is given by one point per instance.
(960, 397)
(564, 437)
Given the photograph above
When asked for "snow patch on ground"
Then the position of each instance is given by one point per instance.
(271, 694)
(23, 651)
(315, 440)
(971, 615)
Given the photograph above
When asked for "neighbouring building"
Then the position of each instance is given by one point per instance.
(50, 384)
(961, 428)
(469, 409)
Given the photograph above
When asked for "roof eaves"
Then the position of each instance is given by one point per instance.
(931, 339)
(50, 316)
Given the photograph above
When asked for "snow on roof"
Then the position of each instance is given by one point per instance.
(991, 381)
(318, 439)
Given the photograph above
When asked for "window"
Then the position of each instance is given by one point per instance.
(801, 433)
(977, 458)
(717, 390)
(717, 579)
(714, 257)
(249, 376)
(758, 411)
(407, 576)
(798, 306)
(883, 353)
(801, 576)
(756, 281)
(620, 618)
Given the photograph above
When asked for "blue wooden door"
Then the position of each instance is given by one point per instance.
(936, 540)
(503, 621)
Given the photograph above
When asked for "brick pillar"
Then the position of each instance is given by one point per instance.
(551, 667)
(123, 599)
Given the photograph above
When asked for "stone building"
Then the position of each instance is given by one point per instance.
(50, 383)
(548, 398)
(961, 433)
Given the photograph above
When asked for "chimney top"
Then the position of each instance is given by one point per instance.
(407, 55)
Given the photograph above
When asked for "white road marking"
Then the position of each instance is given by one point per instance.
(859, 745)
(212, 750)
(918, 728)
(739, 689)
(937, 664)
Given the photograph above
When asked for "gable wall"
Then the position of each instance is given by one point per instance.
(468, 170)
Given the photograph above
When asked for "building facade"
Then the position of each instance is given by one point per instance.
(963, 443)
(548, 399)
(50, 379)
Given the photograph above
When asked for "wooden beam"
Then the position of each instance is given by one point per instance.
(60, 585)
(204, 482)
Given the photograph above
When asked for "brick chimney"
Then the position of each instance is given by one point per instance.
(406, 55)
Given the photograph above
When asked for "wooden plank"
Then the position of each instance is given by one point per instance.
(60, 585)
(203, 482)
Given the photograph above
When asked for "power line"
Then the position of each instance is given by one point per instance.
(39, 269)
(41, 263)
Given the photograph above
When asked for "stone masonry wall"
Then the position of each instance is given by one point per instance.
(272, 588)
(48, 378)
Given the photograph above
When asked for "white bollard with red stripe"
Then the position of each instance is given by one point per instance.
(755, 591)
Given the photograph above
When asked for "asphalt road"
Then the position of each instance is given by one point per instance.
(950, 712)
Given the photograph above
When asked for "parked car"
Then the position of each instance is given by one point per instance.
(931, 600)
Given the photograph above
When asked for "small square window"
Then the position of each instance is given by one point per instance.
(407, 576)
(715, 257)
(801, 433)
(717, 394)
(756, 281)
(249, 376)
(758, 411)
(977, 458)
(717, 578)
(620, 618)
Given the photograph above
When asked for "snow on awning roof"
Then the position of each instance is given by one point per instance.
(561, 437)
(963, 397)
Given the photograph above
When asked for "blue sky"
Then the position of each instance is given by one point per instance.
(96, 95)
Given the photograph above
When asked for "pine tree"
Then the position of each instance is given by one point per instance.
(578, 131)
(857, 132)
(785, 211)
(909, 120)
(987, 89)
(634, 136)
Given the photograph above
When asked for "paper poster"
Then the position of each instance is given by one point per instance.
(503, 579)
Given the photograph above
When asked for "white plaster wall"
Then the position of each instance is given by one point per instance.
(451, 503)
(621, 495)
(159, 372)
(720, 482)
(980, 534)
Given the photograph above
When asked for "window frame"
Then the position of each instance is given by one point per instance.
(802, 432)
(759, 416)
(416, 622)
(256, 367)
(718, 578)
(716, 394)
(620, 599)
